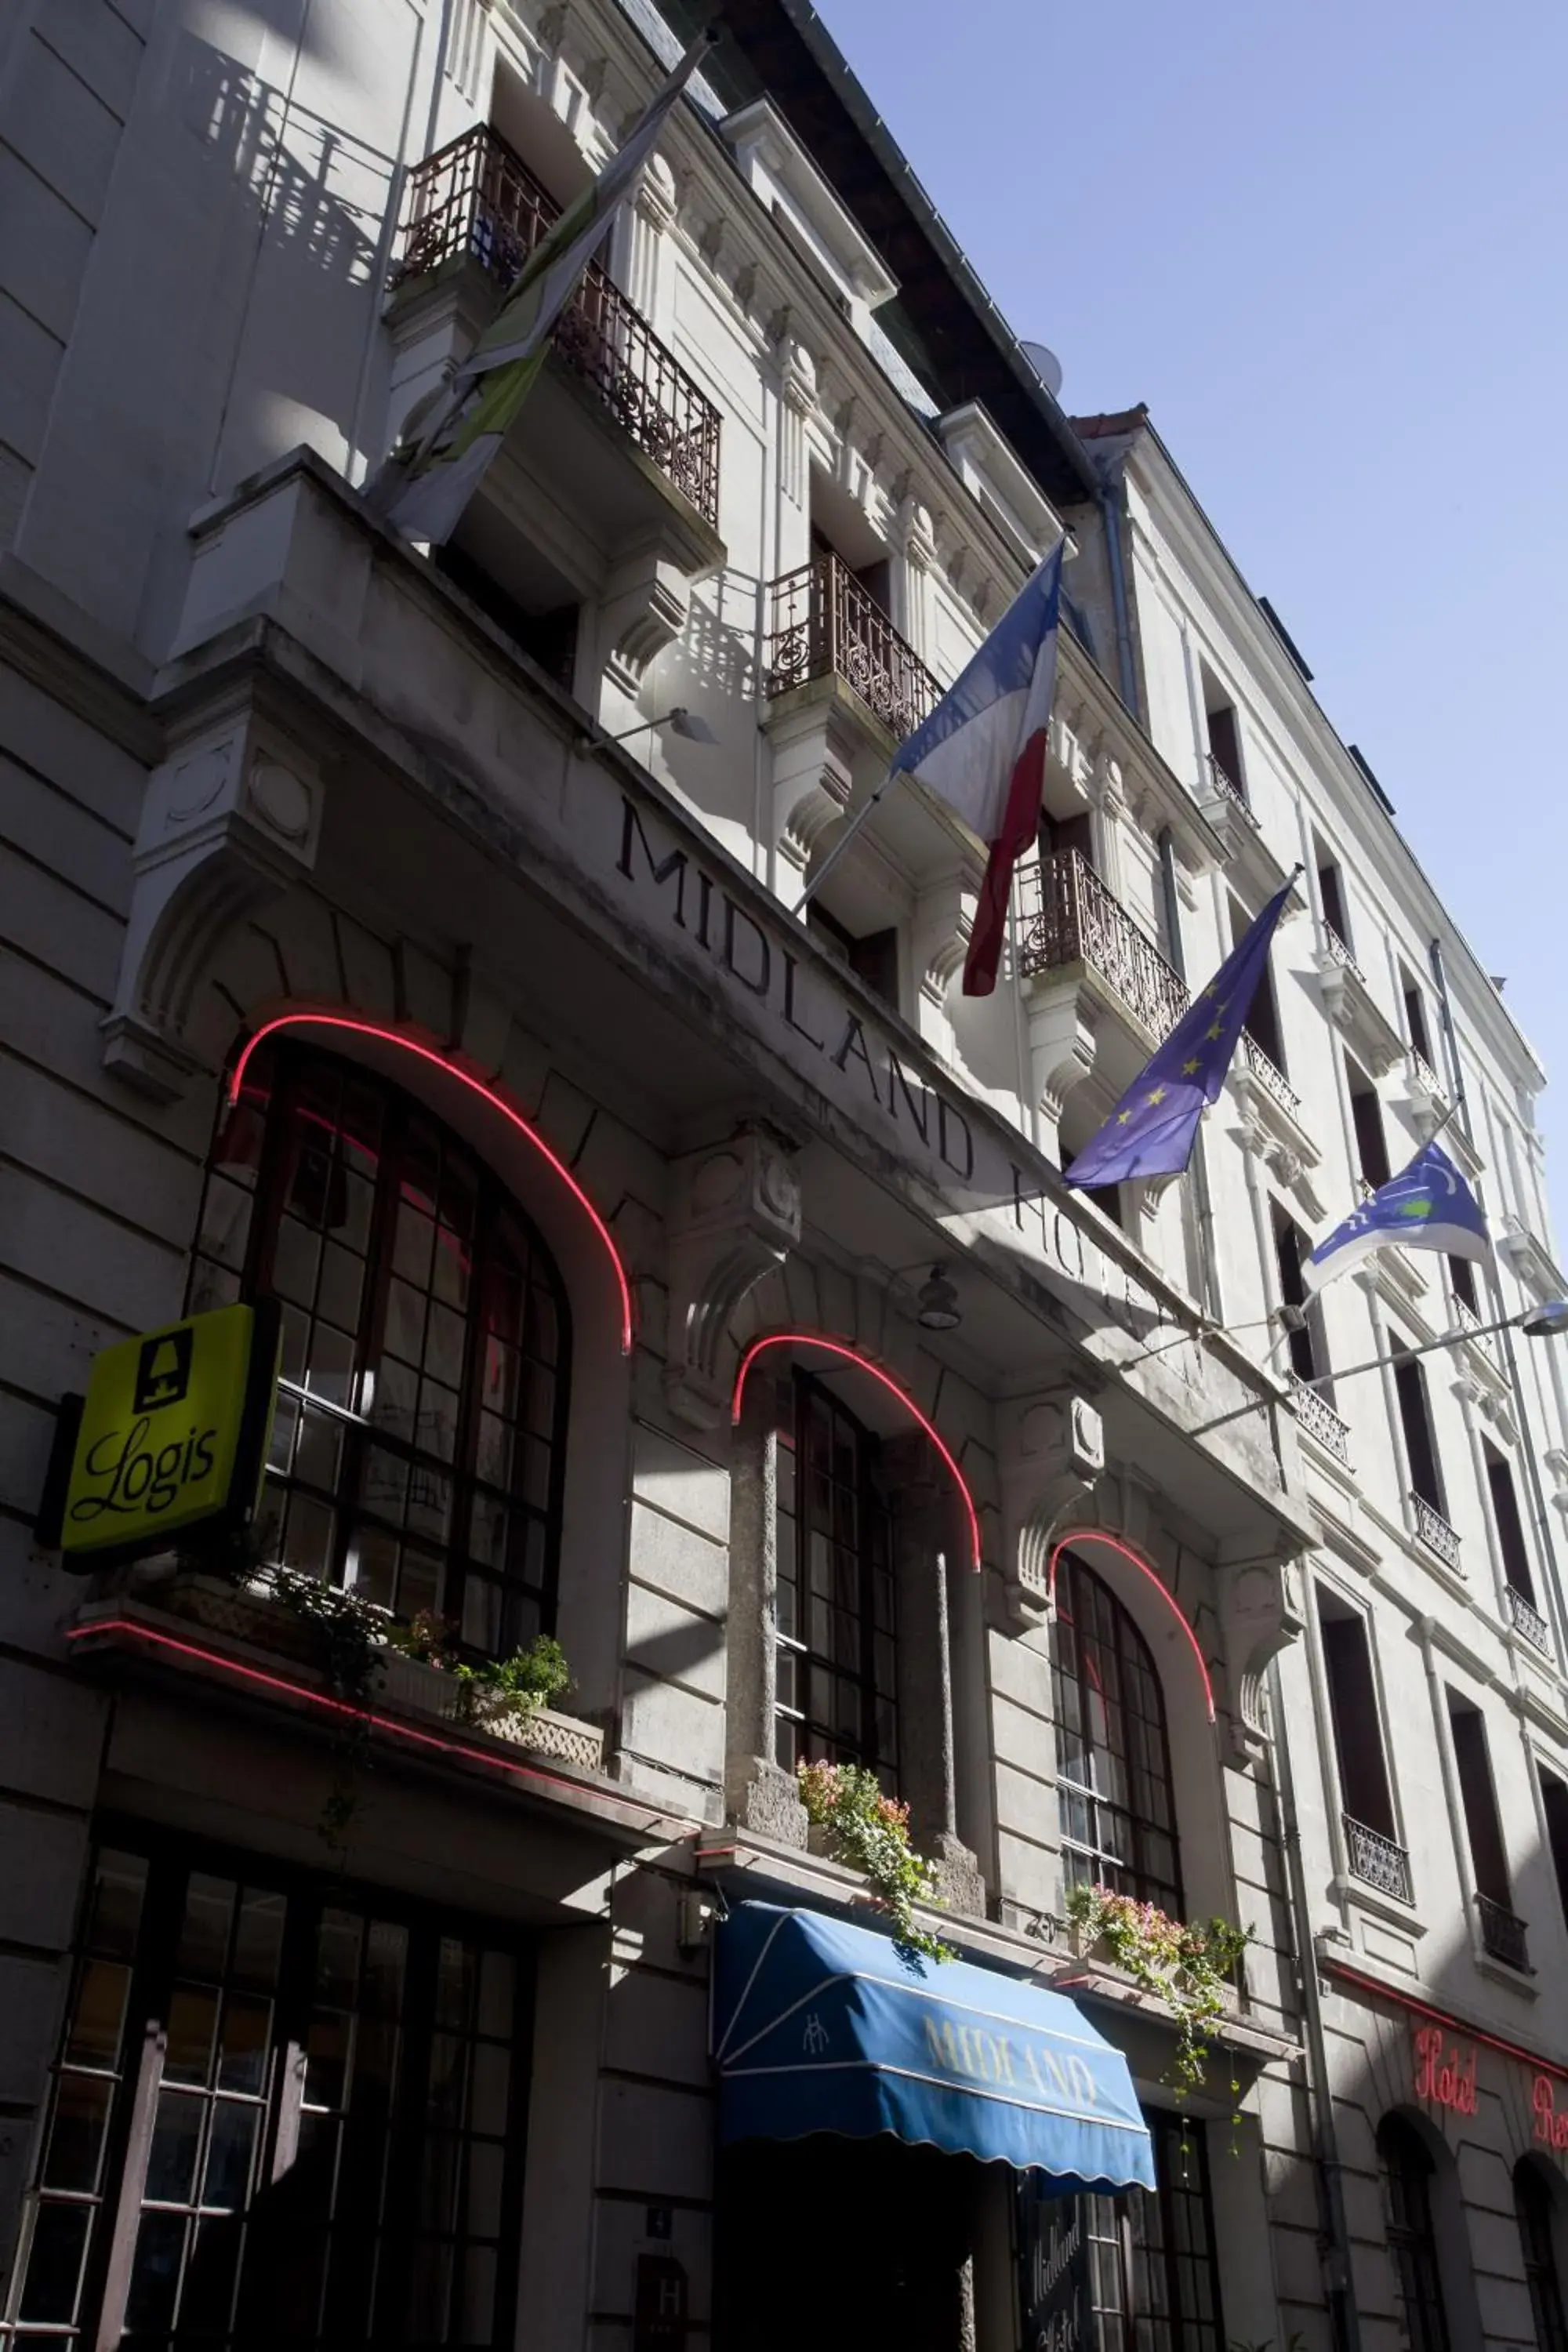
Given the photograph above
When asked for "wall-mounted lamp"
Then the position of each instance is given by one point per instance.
(687, 724)
(937, 1308)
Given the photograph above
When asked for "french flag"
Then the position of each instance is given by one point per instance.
(983, 750)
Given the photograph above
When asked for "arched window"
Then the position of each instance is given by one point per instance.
(1407, 2171)
(1118, 1815)
(1532, 2204)
(836, 1690)
(417, 1450)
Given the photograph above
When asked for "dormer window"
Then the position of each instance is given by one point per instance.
(1224, 740)
(780, 172)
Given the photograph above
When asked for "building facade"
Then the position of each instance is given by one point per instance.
(408, 939)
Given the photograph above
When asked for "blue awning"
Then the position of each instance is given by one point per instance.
(820, 2027)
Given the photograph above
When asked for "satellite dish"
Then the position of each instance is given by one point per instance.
(1046, 365)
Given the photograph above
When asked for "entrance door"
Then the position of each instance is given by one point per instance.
(841, 2245)
(283, 2114)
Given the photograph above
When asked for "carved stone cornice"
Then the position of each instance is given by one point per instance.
(1052, 1453)
(735, 1214)
(230, 820)
(1260, 1614)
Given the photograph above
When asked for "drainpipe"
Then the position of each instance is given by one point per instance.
(1208, 1265)
(1339, 2283)
(1538, 1509)
(1111, 513)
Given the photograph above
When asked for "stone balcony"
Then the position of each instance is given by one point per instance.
(606, 489)
(1100, 994)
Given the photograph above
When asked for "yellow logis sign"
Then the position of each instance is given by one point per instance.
(172, 1432)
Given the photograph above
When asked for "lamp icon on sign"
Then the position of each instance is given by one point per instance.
(164, 1369)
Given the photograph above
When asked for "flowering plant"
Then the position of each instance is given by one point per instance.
(870, 1831)
(1189, 1968)
(496, 1688)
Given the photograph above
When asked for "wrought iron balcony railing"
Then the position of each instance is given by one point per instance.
(1377, 1860)
(1069, 916)
(826, 624)
(1341, 952)
(1529, 1620)
(1269, 1075)
(1425, 1076)
(1466, 1320)
(1319, 1419)
(1504, 1936)
(1435, 1531)
(476, 199)
(1229, 790)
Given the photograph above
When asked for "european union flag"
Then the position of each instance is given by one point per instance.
(1151, 1129)
(1428, 1205)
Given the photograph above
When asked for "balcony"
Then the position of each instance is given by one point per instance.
(1377, 1860)
(1528, 1621)
(1070, 919)
(1435, 1533)
(1320, 1422)
(607, 490)
(825, 626)
(1503, 1936)
(1341, 952)
(1228, 794)
(477, 200)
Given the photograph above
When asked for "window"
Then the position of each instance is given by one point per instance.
(1501, 1933)
(419, 1443)
(1407, 2171)
(1416, 1421)
(1224, 738)
(1462, 1274)
(873, 956)
(1133, 2274)
(1532, 2206)
(1331, 894)
(1510, 1525)
(1112, 1199)
(1366, 1794)
(1366, 1118)
(1115, 1803)
(1309, 1355)
(1262, 1022)
(837, 1691)
(1416, 1027)
(366, 2195)
(1554, 1805)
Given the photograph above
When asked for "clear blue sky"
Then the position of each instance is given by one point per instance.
(1328, 245)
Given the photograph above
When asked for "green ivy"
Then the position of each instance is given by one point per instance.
(869, 1831)
(1191, 1969)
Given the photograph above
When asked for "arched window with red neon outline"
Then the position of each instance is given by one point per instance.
(836, 1695)
(419, 1447)
(1114, 1796)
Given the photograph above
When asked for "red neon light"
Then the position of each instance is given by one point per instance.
(476, 1086)
(1551, 2125)
(1441, 2074)
(835, 1348)
(387, 1723)
(1440, 2017)
(1086, 1534)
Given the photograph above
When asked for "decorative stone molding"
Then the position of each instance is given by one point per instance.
(1064, 1037)
(1350, 1005)
(736, 1213)
(230, 821)
(1259, 1615)
(1530, 1260)
(813, 750)
(939, 941)
(1052, 1453)
(647, 598)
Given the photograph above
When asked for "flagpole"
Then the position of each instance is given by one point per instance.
(1372, 1364)
(841, 844)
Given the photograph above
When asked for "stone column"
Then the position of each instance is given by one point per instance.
(923, 1541)
(758, 1794)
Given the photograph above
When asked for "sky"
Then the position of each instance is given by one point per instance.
(1328, 245)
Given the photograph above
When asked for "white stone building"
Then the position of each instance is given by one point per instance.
(380, 935)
